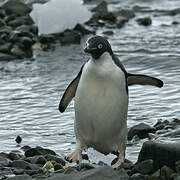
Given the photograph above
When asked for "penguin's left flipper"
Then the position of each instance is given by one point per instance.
(143, 80)
(69, 92)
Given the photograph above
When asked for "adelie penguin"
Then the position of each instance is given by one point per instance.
(101, 101)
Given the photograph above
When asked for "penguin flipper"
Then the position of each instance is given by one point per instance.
(69, 92)
(143, 80)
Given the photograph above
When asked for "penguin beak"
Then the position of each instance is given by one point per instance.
(88, 49)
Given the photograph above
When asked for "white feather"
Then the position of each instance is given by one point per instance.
(101, 105)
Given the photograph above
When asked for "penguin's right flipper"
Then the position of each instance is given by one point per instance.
(69, 92)
(143, 80)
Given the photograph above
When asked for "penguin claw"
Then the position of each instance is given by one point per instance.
(119, 162)
(75, 157)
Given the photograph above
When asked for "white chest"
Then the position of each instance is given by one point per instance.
(101, 101)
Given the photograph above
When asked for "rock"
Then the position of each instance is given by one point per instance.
(102, 173)
(6, 57)
(141, 130)
(18, 139)
(24, 20)
(122, 174)
(38, 151)
(18, 171)
(57, 166)
(70, 37)
(2, 13)
(4, 161)
(16, 51)
(25, 148)
(121, 22)
(39, 159)
(84, 166)
(178, 166)
(127, 13)
(5, 48)
(15, 7)
(161, 154)
(101, 8)
(20, 177)
(46, 38)
(177, 178)
(139, 176)
(166, 172)
(34, 29)
(146, 21)
(2, 23)
(144, 167)
(155, 175)
(174, 12)
(6, 30)
(108, 32)
(80, 28)
(24, 165)
(58, 159)
(27, 42)
(14, 156)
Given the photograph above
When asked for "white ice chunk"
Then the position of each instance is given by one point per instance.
(58, 15)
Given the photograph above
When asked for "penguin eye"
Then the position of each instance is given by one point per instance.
(100, 46)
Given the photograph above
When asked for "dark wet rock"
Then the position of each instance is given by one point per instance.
(34, 172)
(18, 139)
(39, 159)
(20, 177)
(2, 13)
(145, 21)
(84, 166)
(144, 167)
(175, 22)
(85, 157)
(24, 165)
(57, 166)
(69, 37)
(5, 171)
(121, 22)
(105, 173)
(18, 171)
(126, 13)
(101, 8)
(38, 151)
(139, 176)
(70, 170)
(161, 154)
(4, 161)
(2, 23)
(173, 12)
(155, 176)
(15, 7)
(24, 20)
(166, 172)
(56, 158)
(178, 166)
(5, 48)
(108, 32)
(25, 148)
(14, 156)
(34, 29)
(141, 130)
(6, 30)
(46, 38)
(27, 42)
(80, 28)
(6, 57)
(18, 52)
(122, 174)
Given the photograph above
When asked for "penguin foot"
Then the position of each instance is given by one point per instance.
(75, 156)
(119, 161)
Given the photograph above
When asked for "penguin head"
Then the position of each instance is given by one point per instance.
(96, 46)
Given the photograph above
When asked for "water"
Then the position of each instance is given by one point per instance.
(30, 90)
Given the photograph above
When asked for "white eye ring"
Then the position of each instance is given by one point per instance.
(100, 46)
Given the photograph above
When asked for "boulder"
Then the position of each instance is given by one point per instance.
(4, 161)
(127, 13)
(144, 167)
(6, 57)
(18, 52)
(56, 158)
(161, 154)
(20, 177)
(38, 151)
(16, 7)
(21, 164)
(2, 23)
(39, 159)
(105, 173)
(5, 48)
(18, 139)
(80, 28)
(166, 172)
(101, 8)
(141, 130)
(145, 21)
(121, 22)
